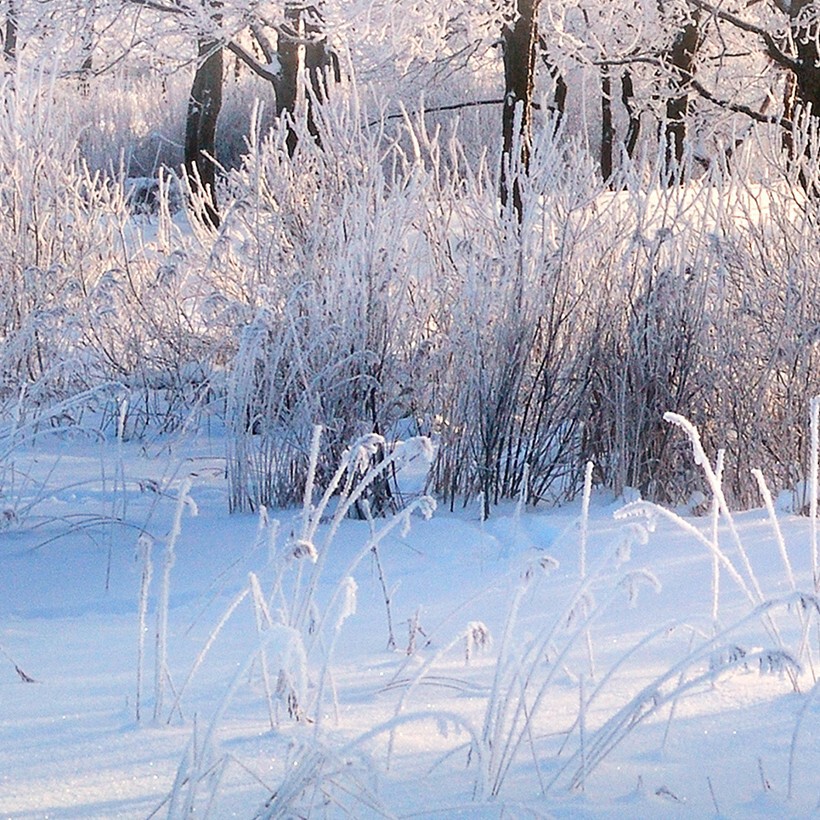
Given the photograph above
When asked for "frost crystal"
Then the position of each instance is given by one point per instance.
(304, 548)
(349, 601)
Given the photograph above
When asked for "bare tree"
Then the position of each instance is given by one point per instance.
(519, 39)
(791, 46)
(204, 104)
(806, 66)
(802, 93)
(681, 58)
(301, 51)
(10, 35)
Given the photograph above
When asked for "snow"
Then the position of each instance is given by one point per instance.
(485, 606)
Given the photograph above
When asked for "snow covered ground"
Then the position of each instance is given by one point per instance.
(512, 689)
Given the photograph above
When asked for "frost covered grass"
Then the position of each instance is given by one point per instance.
(579, 654)
(568, 660)
(416, 309)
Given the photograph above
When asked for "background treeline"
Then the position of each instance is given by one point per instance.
(527, 230)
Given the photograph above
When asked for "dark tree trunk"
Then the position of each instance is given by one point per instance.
(519, 40)
(682, 61)
(288, 53)
(200, 130)
(560, 96)
(633, 129)
(559, 103)
(87, 50)
(302, 38)
(10, 35)
(803, 88)
(789, 101)
(607, 130)
(807, 75)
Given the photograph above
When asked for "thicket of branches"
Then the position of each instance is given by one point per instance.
(363, 276)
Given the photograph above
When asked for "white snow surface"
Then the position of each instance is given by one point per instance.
(741, 743)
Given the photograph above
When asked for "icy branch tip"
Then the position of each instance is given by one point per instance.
(693, 434)
(304, 548)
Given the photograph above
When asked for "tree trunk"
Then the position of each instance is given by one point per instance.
(807, 75)
(682, 60)
(10, 36)
(789, 105)
(803, 89)
(559, 103)
(518, 40)
(200, 131)
(87, 41)
(288, 53)
(302, 42)
(560, 97)
(633, 129)
(607, 130)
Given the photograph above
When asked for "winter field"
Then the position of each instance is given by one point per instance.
(378, 499)
(565, 663)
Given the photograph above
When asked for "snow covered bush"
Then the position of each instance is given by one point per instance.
(371, 285)
(418, 305)
(331, 318)
(59, 239)
(94, 302)
(713, 306)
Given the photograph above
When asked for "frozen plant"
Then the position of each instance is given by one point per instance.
(297, 632)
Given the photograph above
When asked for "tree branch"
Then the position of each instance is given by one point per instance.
(772, 48)
(264, 43)
(739, 108)
(439, 108)
(254, 64)
(702, 91)
(155, 5)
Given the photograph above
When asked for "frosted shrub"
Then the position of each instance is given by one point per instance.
(713, 314)
(531, 346)
(89, 308)
(326, 258)
(297, 627)
(372, 285)
(56, 242)
(415, 306)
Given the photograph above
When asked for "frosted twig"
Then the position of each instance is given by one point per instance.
(263, 622)
(703, 462)
(583, 550)
(778, 533)
(209, 643)
(161, 660)
(813, 487)
(715, 521)
(585, 519)
(807, 703)
(144, 546)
